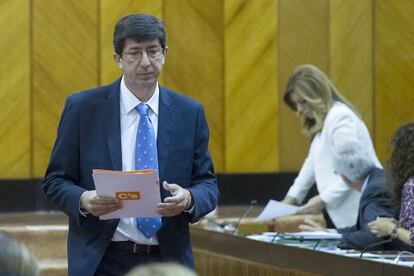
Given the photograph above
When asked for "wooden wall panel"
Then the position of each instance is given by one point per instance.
(208, 263)
(251, 85)
(351, 53)
(222, 53)
(194, 63)
(65, 60)
(394, 69)
(110, 11)
(15, 89)
(303, 38)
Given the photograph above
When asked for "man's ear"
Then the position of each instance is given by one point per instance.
(164, 53)
(117, 59)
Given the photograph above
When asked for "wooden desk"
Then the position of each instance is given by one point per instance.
(222, 254)
(231, 214)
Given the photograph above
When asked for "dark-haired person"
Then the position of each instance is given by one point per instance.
(353, 164)
(401, 168)
(133, 123)
(330, 120)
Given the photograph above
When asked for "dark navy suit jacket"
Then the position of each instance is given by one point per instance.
(89, 138)
(373, 203)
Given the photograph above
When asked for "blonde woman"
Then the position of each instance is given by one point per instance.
(330, 120)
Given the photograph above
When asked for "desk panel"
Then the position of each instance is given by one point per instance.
(225, 254)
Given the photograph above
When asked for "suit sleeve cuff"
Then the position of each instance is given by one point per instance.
(82, 211)
(190, 207)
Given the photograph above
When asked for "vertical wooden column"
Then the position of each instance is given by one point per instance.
(303, 38)
(394, 69)
(251, 85)
(351, 56)
(65, 60)
(194, 63)
(15, 147)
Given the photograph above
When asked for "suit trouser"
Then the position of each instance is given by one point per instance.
(120, 258)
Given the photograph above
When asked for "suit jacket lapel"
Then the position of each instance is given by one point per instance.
(111, 119)
(166, 118)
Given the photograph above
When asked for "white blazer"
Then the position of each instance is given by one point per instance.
(342, 202)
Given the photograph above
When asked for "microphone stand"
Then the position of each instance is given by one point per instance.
(236, 227)
(369, 246)
(397, 260)
(316, 244)
(275, 236)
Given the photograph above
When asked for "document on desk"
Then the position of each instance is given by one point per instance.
(330, 234)
(139, 192)
(275, 209)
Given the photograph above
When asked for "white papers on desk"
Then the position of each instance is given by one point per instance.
(315, 235)
(139, 192)
(275, 209)
(265, 237)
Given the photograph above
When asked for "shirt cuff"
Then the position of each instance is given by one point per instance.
(190, 211)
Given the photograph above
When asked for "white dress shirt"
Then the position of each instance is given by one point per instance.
(365, 184)
(127, 228)
(341, 201)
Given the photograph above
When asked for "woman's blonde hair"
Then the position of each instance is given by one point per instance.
(310, 83)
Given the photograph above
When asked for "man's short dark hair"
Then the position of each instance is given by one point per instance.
(139, 27)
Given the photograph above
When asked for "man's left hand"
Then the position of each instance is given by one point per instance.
(180, 200)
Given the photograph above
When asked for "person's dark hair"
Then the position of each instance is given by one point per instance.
(401, 163)
(141, 28)
(15, 257)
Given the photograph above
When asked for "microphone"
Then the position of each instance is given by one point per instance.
(236, 227)
(316, 244)
(275, 236)
(374, 244)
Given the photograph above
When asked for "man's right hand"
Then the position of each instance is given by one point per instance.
(290, 200)
(98, 205)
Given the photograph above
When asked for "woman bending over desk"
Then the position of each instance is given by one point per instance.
(330, 120)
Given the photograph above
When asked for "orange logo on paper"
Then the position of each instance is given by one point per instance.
(127, 195)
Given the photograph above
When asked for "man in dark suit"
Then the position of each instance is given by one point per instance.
(99, 129)
(357, 170)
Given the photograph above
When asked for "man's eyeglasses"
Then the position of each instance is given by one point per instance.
(138, 54)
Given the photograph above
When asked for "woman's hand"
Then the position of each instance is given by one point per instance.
(290, 200)
(313, 206)
(311, 225)
(382, 227)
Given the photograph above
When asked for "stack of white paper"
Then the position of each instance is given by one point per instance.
(139, 192)
(315, 235)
